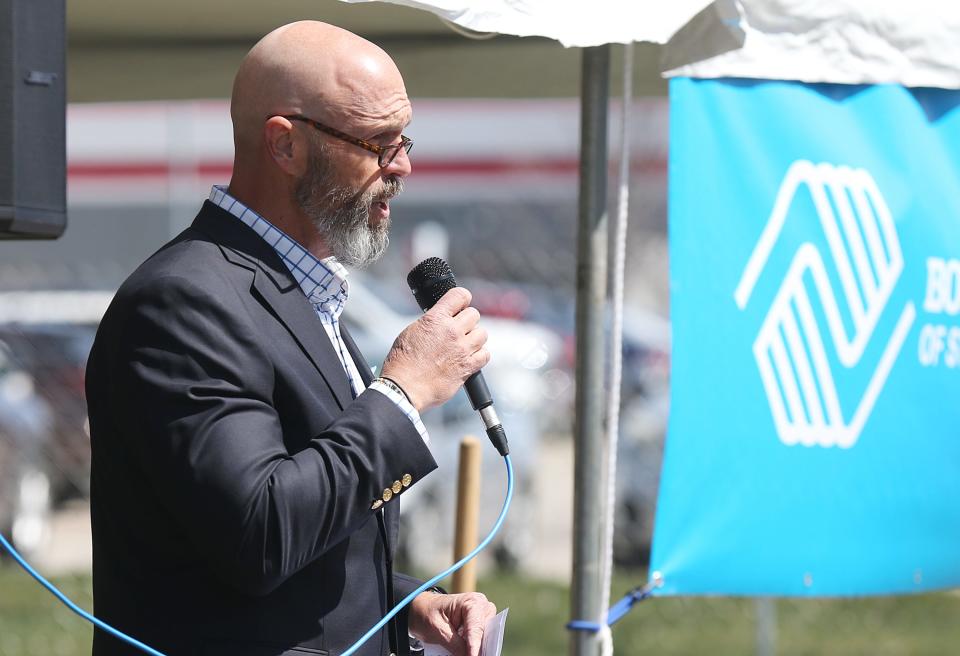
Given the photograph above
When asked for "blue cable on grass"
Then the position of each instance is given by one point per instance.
(379, 625)
(72, 606)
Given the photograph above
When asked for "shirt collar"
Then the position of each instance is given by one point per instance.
(323, 282)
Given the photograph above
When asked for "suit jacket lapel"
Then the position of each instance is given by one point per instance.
(278, 291)
(296, 313)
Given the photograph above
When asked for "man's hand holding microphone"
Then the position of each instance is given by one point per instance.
(433, 356)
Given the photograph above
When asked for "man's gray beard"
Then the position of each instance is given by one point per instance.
(342, 215)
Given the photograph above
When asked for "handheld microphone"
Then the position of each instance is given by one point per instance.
(428, 281)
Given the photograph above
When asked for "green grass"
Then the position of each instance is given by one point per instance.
(32, 622)
(878, 626)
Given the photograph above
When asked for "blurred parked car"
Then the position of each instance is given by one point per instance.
(644, 408)
(644, 398)
(25, 433)
(55, 356)
(522, 353)
(49, 334)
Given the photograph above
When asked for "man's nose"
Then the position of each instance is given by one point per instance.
(399, 167)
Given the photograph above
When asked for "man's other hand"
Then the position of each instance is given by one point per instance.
(453, 621)
(435, 354)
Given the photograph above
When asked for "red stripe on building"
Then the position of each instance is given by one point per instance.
(477, 167)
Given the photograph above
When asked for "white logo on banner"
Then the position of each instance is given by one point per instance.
(790, 350)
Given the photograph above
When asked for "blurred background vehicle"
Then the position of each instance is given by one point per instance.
(645, 396)
(25, 437)
(55, 356)
(44, 442)
(644, 408)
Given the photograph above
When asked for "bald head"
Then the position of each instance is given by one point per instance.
(320, 71)
(328, 191)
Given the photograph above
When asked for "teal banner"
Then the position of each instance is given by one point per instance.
(814, 437)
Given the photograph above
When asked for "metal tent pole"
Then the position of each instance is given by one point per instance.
(589, 459)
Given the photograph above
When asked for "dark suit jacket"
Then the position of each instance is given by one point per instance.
(233, 473)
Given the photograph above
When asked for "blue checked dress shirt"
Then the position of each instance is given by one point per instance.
(324, 283)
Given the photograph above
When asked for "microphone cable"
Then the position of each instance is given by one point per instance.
(379, 625)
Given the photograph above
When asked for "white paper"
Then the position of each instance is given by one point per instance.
(492, 638)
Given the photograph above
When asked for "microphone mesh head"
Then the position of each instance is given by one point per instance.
(430, 280)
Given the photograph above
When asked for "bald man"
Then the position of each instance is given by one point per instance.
(246, 465)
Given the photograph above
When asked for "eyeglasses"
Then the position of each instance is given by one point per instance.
(386, 154)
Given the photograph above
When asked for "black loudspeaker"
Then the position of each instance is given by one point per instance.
(33, 108)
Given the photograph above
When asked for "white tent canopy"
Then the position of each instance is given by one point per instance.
(571, 22)
(915, 43)
(844, 41)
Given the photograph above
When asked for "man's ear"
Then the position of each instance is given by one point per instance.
(283, 146)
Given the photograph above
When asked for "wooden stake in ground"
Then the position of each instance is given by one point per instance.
(468, 512)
